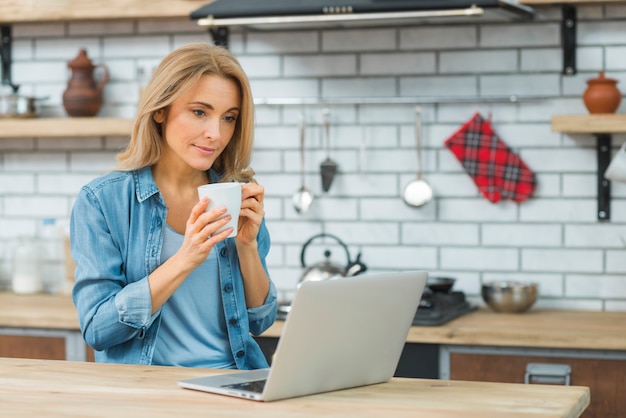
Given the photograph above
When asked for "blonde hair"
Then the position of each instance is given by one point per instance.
(176, 74)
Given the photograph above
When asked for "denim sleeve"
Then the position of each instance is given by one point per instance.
(262, 317)
(110, 310)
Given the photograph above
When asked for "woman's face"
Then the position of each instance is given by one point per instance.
(200, 124)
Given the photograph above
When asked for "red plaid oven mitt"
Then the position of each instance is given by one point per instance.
(495, 168)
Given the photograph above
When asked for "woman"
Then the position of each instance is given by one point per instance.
(154, 283)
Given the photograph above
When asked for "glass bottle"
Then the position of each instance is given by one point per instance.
(27, 276)
(52, 257)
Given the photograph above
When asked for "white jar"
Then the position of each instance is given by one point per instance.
(27, 277)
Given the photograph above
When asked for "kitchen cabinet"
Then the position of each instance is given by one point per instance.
(44, 344)
(31, 346)
(604, 373)
(42, 327)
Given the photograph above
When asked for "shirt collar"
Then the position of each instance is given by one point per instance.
(146, 187)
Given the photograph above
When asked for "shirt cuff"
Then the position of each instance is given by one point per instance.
(134, 305)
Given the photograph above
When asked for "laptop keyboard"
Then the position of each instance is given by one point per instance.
(254, 386)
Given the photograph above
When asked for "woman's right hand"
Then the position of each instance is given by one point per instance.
(200, 236)
(199, 239)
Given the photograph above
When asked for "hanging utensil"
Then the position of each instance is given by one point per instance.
(328, 167)
(362, 149)
(418, 192)
(303, 198)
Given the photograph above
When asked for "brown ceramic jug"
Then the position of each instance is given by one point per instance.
(83, 97)
(602, 95)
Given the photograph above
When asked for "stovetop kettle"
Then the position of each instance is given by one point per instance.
(326, 269)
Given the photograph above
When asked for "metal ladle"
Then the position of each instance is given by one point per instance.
(418, 192)
(303, 198)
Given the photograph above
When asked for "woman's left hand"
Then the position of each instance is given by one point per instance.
(251, 214)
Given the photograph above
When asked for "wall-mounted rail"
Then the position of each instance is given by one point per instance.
(393, 100)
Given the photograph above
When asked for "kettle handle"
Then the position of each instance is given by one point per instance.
(356, 267)
(306, 244)
(105, 76)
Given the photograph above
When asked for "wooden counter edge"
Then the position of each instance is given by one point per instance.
(485, 328)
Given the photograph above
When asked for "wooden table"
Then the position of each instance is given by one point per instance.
(52, 388)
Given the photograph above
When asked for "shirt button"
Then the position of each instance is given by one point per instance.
(228, 288)
(223, 252)
(240, 353)
(233, 321)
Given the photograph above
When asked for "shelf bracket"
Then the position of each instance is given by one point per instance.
(220, 36)
(603, 148)
(568, 39)
(6, 40)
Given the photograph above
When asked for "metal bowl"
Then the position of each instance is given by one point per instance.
(440, 284)
(509, 296)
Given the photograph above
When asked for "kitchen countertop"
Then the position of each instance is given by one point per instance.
(40, 311)
(65, 389)
(535, 328)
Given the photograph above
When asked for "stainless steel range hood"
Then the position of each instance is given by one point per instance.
(322, 13)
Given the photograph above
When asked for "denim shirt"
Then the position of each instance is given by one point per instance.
(116, 234)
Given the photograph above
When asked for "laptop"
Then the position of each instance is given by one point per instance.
(340, 333)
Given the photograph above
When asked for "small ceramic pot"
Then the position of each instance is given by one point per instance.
(602, 95)
(83, 96)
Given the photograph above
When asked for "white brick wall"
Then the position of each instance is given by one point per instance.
(554, 238)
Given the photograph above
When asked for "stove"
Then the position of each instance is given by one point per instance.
(437, 308)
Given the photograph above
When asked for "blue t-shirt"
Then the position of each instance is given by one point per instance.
(193, 329)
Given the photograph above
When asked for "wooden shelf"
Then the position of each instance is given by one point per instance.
(21, 11)
(64, 127)
(602, 126)
(589, 124)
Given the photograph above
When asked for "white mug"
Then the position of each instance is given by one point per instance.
(223, 194)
